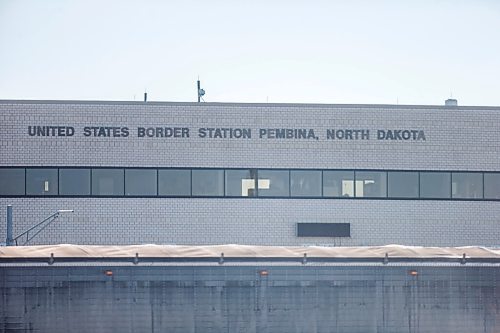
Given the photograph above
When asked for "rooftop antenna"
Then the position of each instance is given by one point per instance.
(145, 97)
(201, 92)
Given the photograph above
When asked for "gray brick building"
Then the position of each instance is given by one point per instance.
(269, 174)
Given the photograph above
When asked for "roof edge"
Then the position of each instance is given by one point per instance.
(313, 105)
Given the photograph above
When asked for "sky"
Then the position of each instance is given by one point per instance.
(341, 52)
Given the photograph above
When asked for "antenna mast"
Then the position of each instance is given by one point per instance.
(201, 92)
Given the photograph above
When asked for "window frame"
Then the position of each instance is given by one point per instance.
(480, 191)
(287, 183)
(389, 173)
(383, 182)
(189, 187)
(155, 170)
(341, 196)
(76, 168)
(324, 176)
(41, 168)
(223, 185)
(485, 198)
(319, 171)
(449, 197)
(255, 179)
(92, 178)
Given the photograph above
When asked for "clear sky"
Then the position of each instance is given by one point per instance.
(406, 52)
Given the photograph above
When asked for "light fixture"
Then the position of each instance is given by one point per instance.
(263, 272)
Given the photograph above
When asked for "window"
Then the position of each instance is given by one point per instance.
(492, 185)
(467, 185)
(305, 183)
(12, 181)
(241, 183)
(107, 181)
(208, 182)
(74, 181)
(403, 184)
(274, 183)
(140, 182)
(371, 184)
(174, 182)
(338, 183)
(435, 185)
(41, 182)
(180, 182)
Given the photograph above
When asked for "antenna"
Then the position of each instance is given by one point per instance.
(201, 92)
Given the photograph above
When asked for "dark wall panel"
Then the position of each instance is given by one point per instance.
(323, 229)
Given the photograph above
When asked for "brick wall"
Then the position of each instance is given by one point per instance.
(463, 138)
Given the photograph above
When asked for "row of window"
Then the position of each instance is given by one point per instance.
(248, 183)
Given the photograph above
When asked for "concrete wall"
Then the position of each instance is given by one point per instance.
(457, 139)
(229, 298)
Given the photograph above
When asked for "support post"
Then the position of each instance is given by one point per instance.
(198, 91)
(9, 241)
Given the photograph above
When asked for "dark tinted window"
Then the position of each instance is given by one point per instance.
(467, 185)
(435, 185)
(243, 182)
(403, 184)
(140, 182)
(208, 182)
(12, 181)
(492, 185)
(41, 182)
(74, 181)
(273, 183)
(323, 230)
(338, 183)
(174, 182)
(240, 183)
(107, 182)
(305, 183)
(371, 184)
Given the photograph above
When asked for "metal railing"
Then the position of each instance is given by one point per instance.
(33, 231)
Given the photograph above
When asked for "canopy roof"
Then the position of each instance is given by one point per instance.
(244, 251)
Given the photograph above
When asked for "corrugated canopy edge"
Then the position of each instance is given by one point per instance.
(244, 251)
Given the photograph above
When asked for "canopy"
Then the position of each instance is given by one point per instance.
(243, 251)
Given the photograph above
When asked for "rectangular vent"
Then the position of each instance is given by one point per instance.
(323, 230)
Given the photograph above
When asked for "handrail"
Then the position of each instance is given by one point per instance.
(44, 224)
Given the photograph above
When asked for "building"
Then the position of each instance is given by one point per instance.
(265, 174)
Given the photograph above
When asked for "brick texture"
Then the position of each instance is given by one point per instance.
(463, 138)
